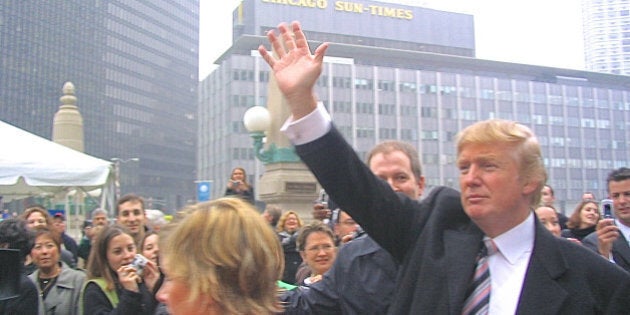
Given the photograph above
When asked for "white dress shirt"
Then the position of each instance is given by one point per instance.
(308, 128)
(508, 266)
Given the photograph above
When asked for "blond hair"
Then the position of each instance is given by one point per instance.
(527, 152)
(231, 256)
(283, 219)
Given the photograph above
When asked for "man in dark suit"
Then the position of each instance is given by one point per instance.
(437, 243)
(611, 237)
(362, 279)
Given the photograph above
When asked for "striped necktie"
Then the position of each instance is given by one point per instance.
(478, 297)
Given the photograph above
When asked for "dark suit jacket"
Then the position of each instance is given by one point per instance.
(620, 249)
(361, 282)
(436, 244)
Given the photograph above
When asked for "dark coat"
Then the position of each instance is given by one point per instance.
(247, 195)
(26, 303)
(620, 249)
(292, 258)
(437, 244)
(361, 281)
(134, 303)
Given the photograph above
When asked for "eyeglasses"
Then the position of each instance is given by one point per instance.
(315, 249)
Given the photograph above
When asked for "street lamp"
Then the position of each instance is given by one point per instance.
(117, 162)
(257, 121)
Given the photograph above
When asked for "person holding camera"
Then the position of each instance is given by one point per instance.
(119, 281)
(611, 235)
(238, 186)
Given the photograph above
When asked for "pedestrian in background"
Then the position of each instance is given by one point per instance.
(58, 285)
(114, 284)
(238, 186)
(14, 234)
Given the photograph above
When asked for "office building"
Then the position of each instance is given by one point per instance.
(417, 89)
(134, 65)
(606, 25)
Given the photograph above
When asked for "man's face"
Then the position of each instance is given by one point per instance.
(267, 216)
(99, 219)
(587, 196)
(59, 225)
(494, 194)
(547, 197)
(395, 168)
(345, 226)
(131, 215)
(620, 194)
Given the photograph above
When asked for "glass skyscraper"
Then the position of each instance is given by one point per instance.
(606, 25)
(134, 65)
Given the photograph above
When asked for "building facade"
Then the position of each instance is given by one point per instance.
(606, 27)
(377, 93)
(134, 65)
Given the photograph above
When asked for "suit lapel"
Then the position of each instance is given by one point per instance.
(621, 251)
(461, 248)
(541, 292)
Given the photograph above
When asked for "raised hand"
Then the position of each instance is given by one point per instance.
(296, 70)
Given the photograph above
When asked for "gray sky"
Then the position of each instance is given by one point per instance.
(537, 32)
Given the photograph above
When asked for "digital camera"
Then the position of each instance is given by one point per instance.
(138, 263)
(607, 209)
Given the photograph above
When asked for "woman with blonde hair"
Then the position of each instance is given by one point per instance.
(287, 228)
(221, 257)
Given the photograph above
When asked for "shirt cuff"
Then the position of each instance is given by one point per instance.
(308, 128)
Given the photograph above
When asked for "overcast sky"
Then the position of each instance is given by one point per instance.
(537, 32)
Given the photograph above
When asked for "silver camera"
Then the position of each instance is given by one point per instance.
(138, 263)
(607, 209)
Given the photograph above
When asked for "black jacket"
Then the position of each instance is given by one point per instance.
(26, 303)
(361, 281)
(620, 249)
(95, 301)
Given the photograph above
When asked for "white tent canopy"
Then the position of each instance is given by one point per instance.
(32, 166)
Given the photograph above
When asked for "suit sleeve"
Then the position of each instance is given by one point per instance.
(590, 242)
(386, 216)
(319, 298)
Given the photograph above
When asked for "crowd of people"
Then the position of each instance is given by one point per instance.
(379, 245)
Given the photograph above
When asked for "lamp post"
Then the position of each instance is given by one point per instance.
(286, 182)
(117, 163)
(257, 121)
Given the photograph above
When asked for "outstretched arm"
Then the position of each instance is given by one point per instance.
(296, 70)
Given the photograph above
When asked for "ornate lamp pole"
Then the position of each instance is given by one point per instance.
(257, 121)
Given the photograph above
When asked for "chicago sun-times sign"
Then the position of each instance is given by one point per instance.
(375, 9)
(370, 19)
